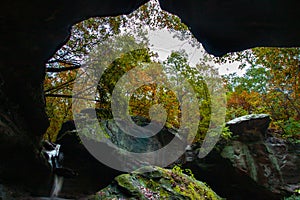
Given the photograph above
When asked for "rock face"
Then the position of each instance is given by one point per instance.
(20, 155)
(268, 161)
(157, 184)
(250, 154)
(140, 145)
(89, 169)
(32, 31)
(253, 165)
(288, 160)
(30, 34)
(237, 25)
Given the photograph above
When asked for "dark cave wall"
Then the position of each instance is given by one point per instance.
(235, 25)
(31, 31)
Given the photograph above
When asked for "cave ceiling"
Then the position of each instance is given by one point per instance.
(31, 32)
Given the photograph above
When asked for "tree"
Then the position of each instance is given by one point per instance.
(272, 79)
(146, 96)
(67, 61)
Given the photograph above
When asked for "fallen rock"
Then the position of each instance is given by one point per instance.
(78, 159)
(89, 170)
(250, 128)
(156, 183)
(227, 180)
(270, 161)
(253, 164)
(287, 155)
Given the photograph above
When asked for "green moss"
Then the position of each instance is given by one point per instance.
(274, 160)
(157, 184)
(129, 183)
(293, 197)
(251, 163)
(243, 159)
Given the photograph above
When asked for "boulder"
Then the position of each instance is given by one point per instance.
(226, 180)
(253, 164)
(250, 127)
(89, 170)
(287, 155)
(252, 154)
(32, 31)
(156, 183)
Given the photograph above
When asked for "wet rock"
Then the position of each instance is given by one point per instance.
(288, 160)
(253, 164)
(65, 172)
(271, 162)
(226, 180)
(23, 167)
(89, 170)
(156, 183)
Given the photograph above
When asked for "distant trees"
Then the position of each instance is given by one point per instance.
(66, 64)
(270, 85)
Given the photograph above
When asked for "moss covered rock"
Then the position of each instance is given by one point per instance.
(156, 183)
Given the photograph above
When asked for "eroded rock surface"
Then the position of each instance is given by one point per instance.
(288, 161)
(271, 162)
(89, 169)
(253, 164)
(159, 183)
(235, 25)
(32, 31)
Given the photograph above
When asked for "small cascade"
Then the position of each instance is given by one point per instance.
(57, 185)
(52, 152)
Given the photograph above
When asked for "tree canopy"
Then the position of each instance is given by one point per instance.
(68, 63)
(270, 84)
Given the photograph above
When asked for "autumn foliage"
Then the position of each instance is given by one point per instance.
(270, 84)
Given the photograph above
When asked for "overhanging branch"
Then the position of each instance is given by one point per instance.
(69, 96)
(54, 69)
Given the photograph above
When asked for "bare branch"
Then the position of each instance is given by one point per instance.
(54, 69)
(69, 96)
(59, 86)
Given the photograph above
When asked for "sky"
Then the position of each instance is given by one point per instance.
(162, 42)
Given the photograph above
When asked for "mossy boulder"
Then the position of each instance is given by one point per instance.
(252, 164)
(156, 183)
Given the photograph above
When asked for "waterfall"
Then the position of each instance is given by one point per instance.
(57, 185)
(52, 152)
